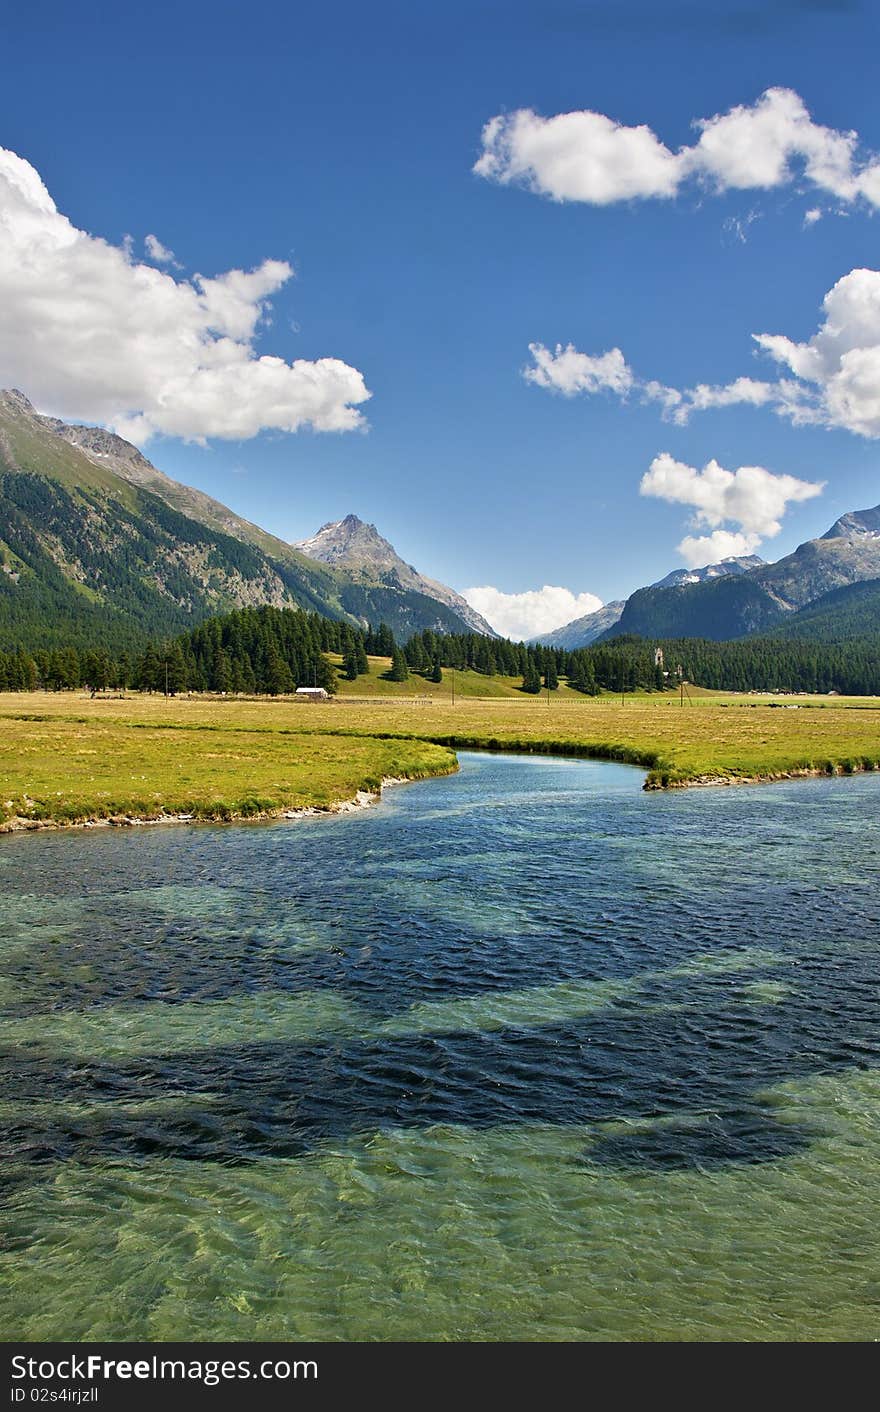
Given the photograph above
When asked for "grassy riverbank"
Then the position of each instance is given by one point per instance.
(66, 758)
(58, 770)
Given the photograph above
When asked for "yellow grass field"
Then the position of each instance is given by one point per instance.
(67, 758)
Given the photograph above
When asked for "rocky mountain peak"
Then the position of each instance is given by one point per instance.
(14, 401)
(359, 548)
(858, 524)
(743, 564)
(350, 541)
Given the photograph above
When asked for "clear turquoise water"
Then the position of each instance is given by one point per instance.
(523, 1053)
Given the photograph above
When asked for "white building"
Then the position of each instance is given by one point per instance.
(313, 693)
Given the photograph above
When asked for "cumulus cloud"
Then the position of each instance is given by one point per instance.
(751, 498)
(838, 369)
(567, 371)
(570, 372)
(524, 615)
(742, 390)
(577, 157)
(834, 377)
(697, 550)
(88, 332)
(587, 156)
(159, 252)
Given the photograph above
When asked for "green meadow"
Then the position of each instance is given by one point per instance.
(68, 758)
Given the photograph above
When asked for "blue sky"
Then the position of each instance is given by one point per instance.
(341, 141)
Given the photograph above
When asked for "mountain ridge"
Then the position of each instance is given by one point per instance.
(97, 543)
(581, 632)
(358, 547)
(739, 605)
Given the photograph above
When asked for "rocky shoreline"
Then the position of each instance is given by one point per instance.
(362, 799)
(771, 777)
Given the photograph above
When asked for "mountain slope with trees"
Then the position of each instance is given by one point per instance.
(590, 628)
(840, 616)
(97, 546)
(754, 602)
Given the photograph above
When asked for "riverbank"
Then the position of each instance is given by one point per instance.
(66, 759)
(99, 771)
(363, 799)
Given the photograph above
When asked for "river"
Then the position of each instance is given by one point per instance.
(521, 1053)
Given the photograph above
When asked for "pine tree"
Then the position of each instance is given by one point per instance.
(222, 674)
(531, 677)
(279, 680)
(175, 669)
(399, 669)
(148, 669)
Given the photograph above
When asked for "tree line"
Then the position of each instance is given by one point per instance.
(255, 651)
(271, 651)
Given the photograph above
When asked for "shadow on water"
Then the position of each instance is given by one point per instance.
(702, 1144)
(566, 886)
(246, 1102)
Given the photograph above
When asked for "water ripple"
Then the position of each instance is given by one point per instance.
(522, 1053)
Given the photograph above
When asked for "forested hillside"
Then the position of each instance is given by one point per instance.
(839, 616)
(270, 651)
(99, 549)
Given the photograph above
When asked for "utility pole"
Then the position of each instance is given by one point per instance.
(166, 678)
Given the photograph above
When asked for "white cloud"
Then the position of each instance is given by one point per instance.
(742, 390)
(751, 498)
(834, 376)
(523, 615)
(567, 371)
(87, 332)
(737, 227)
(699, 550)
(159, 252)
(814, 214)
(570, 372)
(840, 364)
(577, 157)
(586, 156)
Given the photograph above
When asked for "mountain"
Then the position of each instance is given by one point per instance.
(843, 615)
(717, 608)
(97, 546)
(741, 565)
(582, 631)
(757, 600)
(847, 553)
(360, 550)
(857, 525)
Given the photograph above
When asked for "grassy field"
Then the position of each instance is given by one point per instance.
(102, 767)
(67, 758)
(466, 685)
